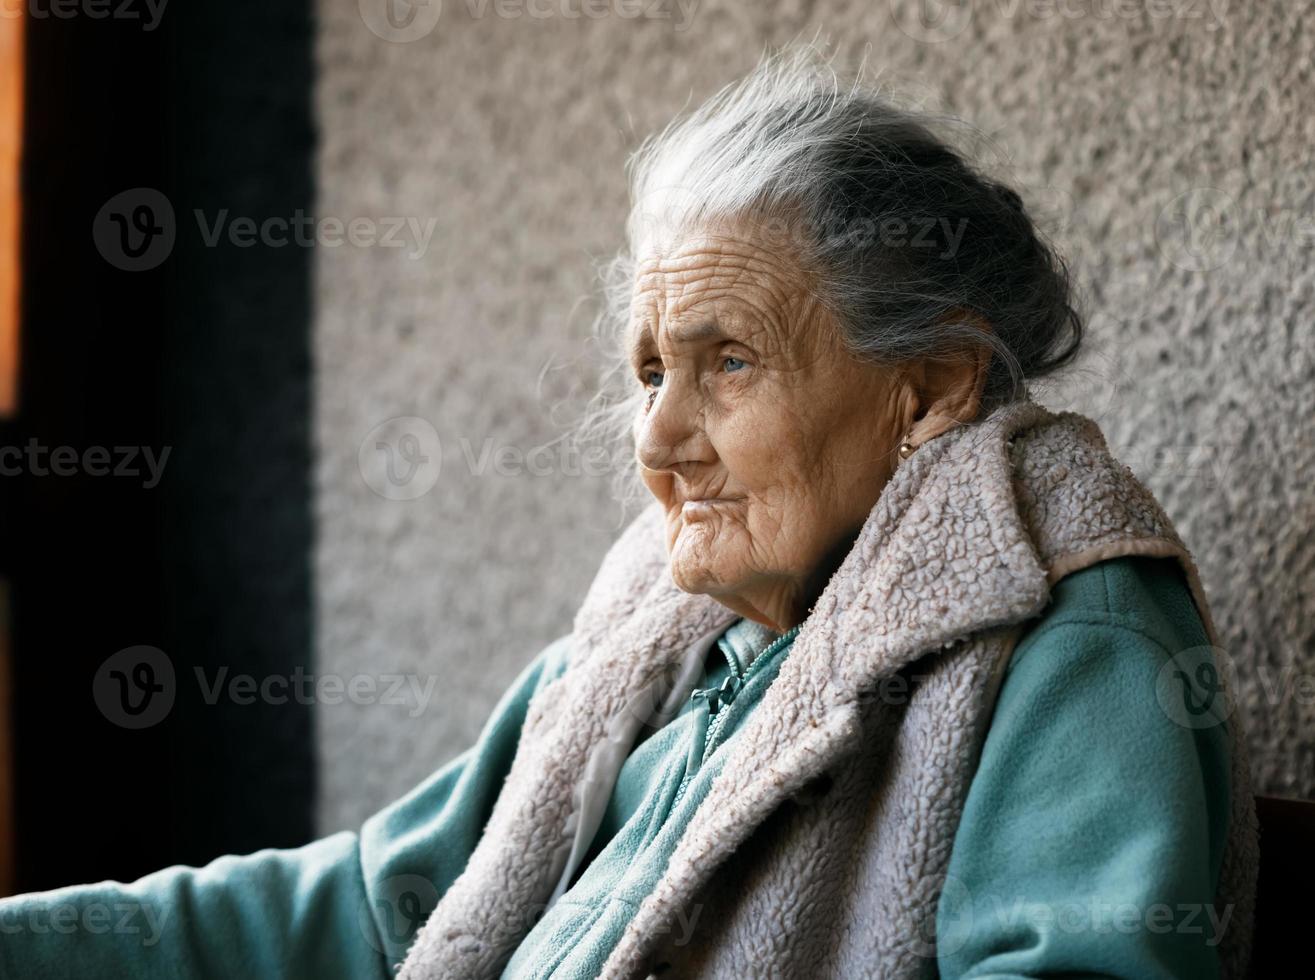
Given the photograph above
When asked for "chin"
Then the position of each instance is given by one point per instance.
(702, 557)
(697, 574)
(690, 576)
(690, 568)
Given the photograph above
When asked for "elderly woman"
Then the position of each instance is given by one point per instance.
(900, 674)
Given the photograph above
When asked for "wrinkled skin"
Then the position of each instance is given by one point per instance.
(765, 440)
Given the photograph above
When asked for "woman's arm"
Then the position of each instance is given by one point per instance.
(1093, 834)
(346, 906)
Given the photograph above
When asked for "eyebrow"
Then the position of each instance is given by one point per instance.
(690, 333)
(693, 333)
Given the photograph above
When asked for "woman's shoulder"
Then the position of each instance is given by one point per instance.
(1123, 630)
(1099, 786)
(1134, 594)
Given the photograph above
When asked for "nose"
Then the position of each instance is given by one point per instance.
(670, 432)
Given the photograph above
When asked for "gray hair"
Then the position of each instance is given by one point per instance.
(906, 242)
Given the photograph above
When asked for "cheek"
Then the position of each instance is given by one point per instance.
(809, 467)
(767, 451)
(774, 458)
(757, 441)
(837, 478)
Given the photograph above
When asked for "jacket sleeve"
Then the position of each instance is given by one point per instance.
(1093, 833)
(344, 907)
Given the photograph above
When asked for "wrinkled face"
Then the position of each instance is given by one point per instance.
(766, 441)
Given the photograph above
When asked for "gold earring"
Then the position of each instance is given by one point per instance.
(906, 448)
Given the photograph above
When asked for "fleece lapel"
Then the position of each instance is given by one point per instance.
(942, 555)
(633, 627)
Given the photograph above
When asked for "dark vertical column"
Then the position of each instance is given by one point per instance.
(237, 398)
(141, 339)
(81, 547)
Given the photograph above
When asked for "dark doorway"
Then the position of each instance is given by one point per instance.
(195, 358)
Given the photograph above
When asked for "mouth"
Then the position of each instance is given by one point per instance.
(702, 507)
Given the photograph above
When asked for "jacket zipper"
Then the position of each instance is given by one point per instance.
(724, 695)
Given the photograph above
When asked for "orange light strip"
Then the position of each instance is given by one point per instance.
(11, 143)
(11, 147)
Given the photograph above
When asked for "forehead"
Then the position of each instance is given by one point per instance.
(691, 271)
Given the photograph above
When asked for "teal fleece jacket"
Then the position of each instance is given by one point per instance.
(1090, 844)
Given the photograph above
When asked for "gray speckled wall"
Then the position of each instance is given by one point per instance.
(1167, 144)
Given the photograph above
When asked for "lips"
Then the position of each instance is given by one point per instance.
(697, 509)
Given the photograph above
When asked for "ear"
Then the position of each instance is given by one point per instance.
(947, 389)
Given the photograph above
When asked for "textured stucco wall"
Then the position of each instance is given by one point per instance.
(1166, 143)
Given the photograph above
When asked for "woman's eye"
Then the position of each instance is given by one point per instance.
(733, 364)
(653, 379)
